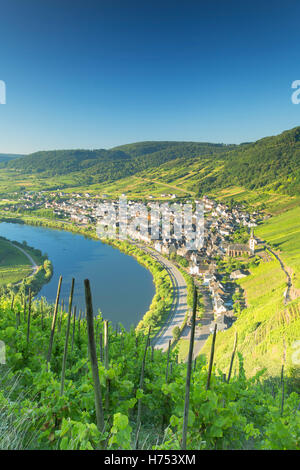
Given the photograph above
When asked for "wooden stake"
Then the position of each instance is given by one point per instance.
(79, 320)
(18, 315)
(232, 357)
(63, 371)
(74, 324)
(24, 307)
(188, 374)
(53, 321)
(141, 386)
(106, 362)
(106, 344)
(168, 359)
(211, 357)
(29, 316)
(93, 356)
(61, 316)
(12, 302)
(282, 389)
(101, 346)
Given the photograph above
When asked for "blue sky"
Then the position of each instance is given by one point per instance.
(96, 74)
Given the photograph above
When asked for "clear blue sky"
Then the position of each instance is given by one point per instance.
(96, 74)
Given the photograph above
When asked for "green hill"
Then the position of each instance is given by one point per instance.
(6, 157)
(139, 391)
(268, 328)
(109, 165)
(271, 163)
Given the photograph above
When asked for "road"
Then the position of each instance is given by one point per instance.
(202, 329)
(207, 320)
(34, 265)
(179, 306)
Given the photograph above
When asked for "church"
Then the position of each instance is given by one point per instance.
(236, 250)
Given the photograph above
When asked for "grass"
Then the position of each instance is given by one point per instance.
(14, 265)
(14, 433)
(283, 233)
(183, 349)
(267, 328)
(271, 202)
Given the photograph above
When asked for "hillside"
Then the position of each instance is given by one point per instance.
(6, 157)
(102, 165)
(268, 328)
(49, 396)
(270, 164)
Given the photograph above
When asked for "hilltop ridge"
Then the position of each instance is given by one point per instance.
(272, 163)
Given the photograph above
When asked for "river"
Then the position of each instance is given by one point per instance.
(121, 288)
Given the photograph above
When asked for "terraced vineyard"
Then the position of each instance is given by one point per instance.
(268, 328)
(71, 382)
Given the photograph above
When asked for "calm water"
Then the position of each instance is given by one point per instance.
(121, 288)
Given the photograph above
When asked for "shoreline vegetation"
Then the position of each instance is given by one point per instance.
(161, 304)
(261, 332)
(142, 399)
(162, 301)
(143, 388)
(38, 273)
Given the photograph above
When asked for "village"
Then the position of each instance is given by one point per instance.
(220, 224)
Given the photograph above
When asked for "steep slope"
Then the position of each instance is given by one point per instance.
(110, 165)
(272, 163)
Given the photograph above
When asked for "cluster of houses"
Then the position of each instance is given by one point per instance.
(220, 223)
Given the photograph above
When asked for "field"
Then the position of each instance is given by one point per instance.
(283, 233)
(14, 265)
(271, 202)
(267, 329)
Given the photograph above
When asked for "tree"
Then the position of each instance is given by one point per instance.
(176, 333)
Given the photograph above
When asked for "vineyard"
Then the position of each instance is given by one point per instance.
(72, 381)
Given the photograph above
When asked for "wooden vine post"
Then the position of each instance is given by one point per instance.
(101, 345)
(29, 316)
(79, 320)
(232, 357)
(93, 356)
(106, 362)
(24, 307)
(63, 371)
(168, 360)
(74, 326)
(54, 321)
(141, 387)
(61, 316)
(211, 359)
(188, 373)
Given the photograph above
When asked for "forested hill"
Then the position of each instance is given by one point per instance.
(115, 163)
(271, 163)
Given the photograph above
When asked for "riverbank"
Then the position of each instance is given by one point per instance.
(37, 273)
(161, 303)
